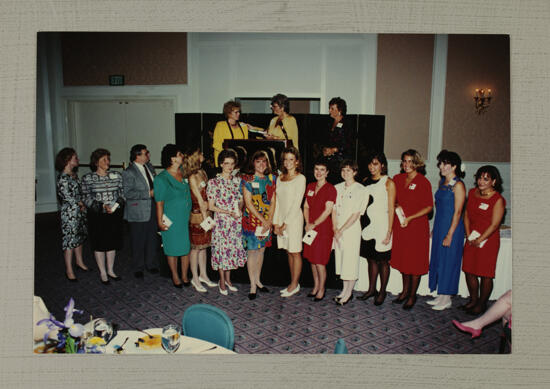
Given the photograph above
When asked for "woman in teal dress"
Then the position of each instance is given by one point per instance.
(173, 200)
(448, 230)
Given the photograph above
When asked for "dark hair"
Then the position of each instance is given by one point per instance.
(491, 172)
(349, 163)
(418, 161)
(380, 157)
(135, 151)
(453, 159)
(282, 101)
(97, 154)
(168, 152)
(63, 158)
(322, 161)
(294, 151)
(340, 104)
(228, 107)
(258, 155)
(227, 153)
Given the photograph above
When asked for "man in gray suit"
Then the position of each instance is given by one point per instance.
(140, 210)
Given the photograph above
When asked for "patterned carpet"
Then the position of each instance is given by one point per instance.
(268, 324)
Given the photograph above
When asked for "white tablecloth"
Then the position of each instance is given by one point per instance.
(502, 280)
(188, 345)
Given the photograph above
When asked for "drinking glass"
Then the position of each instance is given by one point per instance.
(103, 329)
(171, 338)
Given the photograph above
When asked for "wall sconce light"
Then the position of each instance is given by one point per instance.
(482, 98)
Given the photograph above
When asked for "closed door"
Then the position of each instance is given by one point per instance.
(117, 125)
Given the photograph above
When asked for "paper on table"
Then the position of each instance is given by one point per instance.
(166, 220)
(309, 237)
(207, 223)
(474, 235)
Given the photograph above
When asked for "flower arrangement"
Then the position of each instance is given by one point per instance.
(69, 333)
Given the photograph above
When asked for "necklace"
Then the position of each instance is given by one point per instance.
(487, 193)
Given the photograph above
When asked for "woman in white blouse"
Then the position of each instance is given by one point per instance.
(288, 222)
(347, 229)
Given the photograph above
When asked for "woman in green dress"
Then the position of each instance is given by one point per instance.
(173, 200)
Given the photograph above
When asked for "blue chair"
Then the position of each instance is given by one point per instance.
(206, 322)
(340, 347)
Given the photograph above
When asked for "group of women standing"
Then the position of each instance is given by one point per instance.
(382, 219)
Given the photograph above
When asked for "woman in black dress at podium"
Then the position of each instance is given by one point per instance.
(338, 141)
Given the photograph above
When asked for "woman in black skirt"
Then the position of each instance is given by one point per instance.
(377, 222)
(103, 196)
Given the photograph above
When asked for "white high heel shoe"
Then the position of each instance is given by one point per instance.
(208, 283)
(231, 287)
(199, 287)
(435, 301)
(222, 291)
(292, 293)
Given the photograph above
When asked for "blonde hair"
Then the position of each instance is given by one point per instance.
(192, 164)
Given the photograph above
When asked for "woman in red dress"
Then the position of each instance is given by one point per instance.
(200, 239)
(484, 212)
(411, 237)
(320, 198)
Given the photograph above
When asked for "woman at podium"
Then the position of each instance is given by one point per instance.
(283, 126)
(230, 128)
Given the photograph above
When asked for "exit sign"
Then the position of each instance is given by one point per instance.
(116, 80)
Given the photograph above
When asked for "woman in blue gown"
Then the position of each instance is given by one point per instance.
(448, 230)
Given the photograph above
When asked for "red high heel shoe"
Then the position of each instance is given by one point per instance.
(475, 333)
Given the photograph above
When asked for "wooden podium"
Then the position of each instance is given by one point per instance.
(245, 148)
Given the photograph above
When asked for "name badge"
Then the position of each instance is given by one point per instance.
(113, 176)
(202, 184)
(311, 193)
(484, 206)
(340, 125)
(256, 185)
(186, 180)
(412, 186)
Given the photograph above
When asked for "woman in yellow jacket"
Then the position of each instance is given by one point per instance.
(282, 126)
(230, 128)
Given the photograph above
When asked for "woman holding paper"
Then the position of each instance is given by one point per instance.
(320, 199)
(173, 200)
(259, 199)
(282, 126)
(347, 229)
(200, 239)
(103, 197)
(288, 222)
(448, 230)
(411, 230)
(226, 200)
(484, 212)
(377, 224)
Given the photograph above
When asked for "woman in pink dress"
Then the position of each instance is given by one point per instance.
(411, 237)
(226, 201)
(320, 198)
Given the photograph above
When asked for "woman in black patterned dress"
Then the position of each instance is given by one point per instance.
(73, 211)
(104, 198)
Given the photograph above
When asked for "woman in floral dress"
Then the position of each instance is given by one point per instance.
(225, 200)
(73, 211)
(259, 197)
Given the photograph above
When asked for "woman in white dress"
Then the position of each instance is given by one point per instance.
(347, 229)
(288, 222)
(377, 223)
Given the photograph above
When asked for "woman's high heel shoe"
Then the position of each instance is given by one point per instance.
(407, 306)
(71, 279)
(367, 295)
(83, 268)
(347, 301)
(378, 300)
(475, 333)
